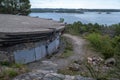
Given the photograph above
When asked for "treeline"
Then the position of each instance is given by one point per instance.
(20, 7)
(80, 28)
(56, 10)
(60, 10)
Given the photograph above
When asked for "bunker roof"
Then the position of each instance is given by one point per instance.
(26, 24)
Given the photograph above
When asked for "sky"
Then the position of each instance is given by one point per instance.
(89, 4)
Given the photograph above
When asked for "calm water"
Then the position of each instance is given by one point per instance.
(87, 17)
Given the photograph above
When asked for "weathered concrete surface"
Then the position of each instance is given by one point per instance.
(25, 24)
(16, 29)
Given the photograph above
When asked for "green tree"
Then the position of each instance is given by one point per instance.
(21, 7)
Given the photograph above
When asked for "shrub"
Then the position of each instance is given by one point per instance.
(5, 63)
(95, 40)
(102, 44)
(117, 29)
(107, 49)
(61, 19)
(10, 73)
(78, 28)
(116, 44)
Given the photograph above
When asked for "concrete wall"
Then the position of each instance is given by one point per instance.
(40, 50)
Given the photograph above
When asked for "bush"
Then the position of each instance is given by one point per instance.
(61, 19)
(12, 73)
(116, 44)
(9, 73)
(78, 28)
(5, 63)
(95, 40)
(102, 44)
(117, 29)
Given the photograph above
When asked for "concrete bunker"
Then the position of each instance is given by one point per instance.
(25, 39)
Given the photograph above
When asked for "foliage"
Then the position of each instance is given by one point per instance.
(95, 40)
(20, 7)
(5, 63)
(8, 73)
(96, 74)
(74, 28)
(117, 29)
(116, 44)
(102, 44)
(11, 73)
(11, 70)
(105, 39)
(78, 28)
(61, 19)
(102, 37)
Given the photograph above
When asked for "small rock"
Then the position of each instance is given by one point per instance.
(78, 62)
(51, 77)
(95, 60)
(110, 62)
(58, 75)
(67, 77)
(82, 78)
(49, 63)
(43, 71)
(74, 67)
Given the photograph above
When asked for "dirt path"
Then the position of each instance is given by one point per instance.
(79, 52)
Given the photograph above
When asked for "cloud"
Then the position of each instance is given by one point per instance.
(75, 4)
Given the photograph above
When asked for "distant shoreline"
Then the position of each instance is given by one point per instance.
(62, 10)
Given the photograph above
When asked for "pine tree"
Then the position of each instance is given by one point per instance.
(20, 7)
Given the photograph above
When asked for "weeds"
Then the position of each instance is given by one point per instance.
(68, 51)
(5, 63)
(9, 71)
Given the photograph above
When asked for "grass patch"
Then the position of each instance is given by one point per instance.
(68, 51)
(66, 54)
(8, 71)
(8, 74)
(4, 63)
(68, 72)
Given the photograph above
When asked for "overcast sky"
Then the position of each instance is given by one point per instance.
(96, 4)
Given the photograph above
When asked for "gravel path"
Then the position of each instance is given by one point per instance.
(79, 51)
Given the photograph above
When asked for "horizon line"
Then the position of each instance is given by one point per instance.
(77, 8)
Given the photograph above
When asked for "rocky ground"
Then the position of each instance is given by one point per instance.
(47, 69)
(48, 75)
